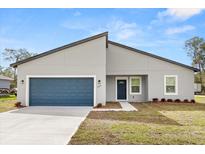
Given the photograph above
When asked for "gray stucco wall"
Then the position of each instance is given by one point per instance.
(85, 59)
(4, 84)
(92, 58)
(111, 89)
(122, 61)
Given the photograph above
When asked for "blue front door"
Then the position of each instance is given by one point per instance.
(122, 89)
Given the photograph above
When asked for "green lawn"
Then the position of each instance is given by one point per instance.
(164, 123)
(7, 103)
(6, 98)
(200, 98)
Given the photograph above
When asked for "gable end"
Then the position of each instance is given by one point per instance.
(61, 48)
(153, 56)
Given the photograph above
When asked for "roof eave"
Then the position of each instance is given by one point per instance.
(14, 65)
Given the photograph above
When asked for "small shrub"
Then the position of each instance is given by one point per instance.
(99, 105)
(169, 100)
(177, 100)
(186, 101)
(155, 99)
(163, 100)
(4, 91)
(193, 101)
(18, 104)
(13, 92)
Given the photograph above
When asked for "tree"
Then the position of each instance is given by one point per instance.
(9, 72)
(15, 55)
(196, 50)
(194, 46)
(1, 69)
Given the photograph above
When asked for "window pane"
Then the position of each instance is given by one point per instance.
(170, 89)
(135, 82)
(135, 89)
(170, 81)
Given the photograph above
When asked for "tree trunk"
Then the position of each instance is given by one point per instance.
(201, 79)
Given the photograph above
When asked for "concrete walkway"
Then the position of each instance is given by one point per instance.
(41, 125)
(125, 107)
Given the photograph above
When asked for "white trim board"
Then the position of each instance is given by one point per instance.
(135, 77)
(121, 78)
(176, 85)
(60, 76)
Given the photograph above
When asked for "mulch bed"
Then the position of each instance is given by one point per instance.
(110, 105)
(181, 102)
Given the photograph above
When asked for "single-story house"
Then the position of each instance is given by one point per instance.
(95, 70)
(5, 81)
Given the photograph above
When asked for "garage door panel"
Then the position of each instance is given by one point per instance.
(61, 92)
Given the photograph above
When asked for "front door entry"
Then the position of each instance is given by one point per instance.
(121, 89)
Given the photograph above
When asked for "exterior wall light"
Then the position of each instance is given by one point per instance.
(99, 83)
(22, 81)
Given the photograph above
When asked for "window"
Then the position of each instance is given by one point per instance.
(170, 82)
(135, 85)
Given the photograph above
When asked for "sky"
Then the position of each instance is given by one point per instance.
(158, 31)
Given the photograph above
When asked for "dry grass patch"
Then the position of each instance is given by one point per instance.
(153, 123)
(7, 105)
(200, 98)
(132, 116)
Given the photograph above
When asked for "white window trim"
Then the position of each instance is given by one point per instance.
(121, 78)
(136, 93)
(60, 76)
(176, 85)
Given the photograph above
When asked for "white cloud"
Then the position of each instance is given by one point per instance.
(119, 30)
(172, 15)
(122, 30)
(75, 24)
(77, 13)
(5, 41)
(179, 13)
(177, 30)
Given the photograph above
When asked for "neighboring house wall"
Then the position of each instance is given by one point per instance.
(4, 83)
(84, 59)
(121, 61)
(111, 89)
(197, 87)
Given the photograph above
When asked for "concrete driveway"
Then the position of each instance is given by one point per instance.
(41, 125)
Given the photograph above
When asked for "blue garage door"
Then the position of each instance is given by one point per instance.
(61, 92)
